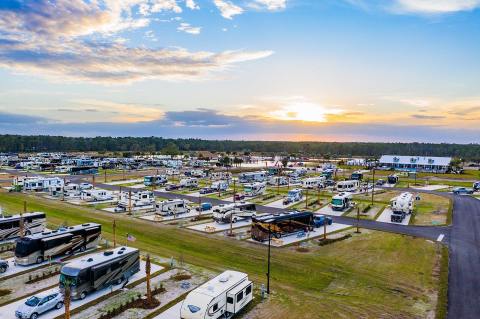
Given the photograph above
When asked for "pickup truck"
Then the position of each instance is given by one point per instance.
(204, 207)
(3, 266)
(320, 220)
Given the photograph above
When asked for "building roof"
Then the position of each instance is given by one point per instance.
(415, 160)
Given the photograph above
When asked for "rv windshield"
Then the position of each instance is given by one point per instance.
(32, 301)
(337, 201)
(65, 280)
(248, 189)
(147, 179)
(25, 248)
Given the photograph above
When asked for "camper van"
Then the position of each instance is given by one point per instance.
(254, 189)
(96, 195)
(39, 247)
(341, 201)
(222, 297)
(314, 182)
(234, 212)
(172, 207)
(155, 180)
(99, 271)
(348, 186)
(139, 199)
(10, 225)
(189, 182)
(401, 206)
(293, 195)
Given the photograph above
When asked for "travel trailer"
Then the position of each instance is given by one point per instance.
(293, 195)
(172, 171)
(10, 225)
(49, 244)
(221, 175)
(72, 190)
(277, 181)
(254, 189)
(99, 271)
(280, 225)
(251, 177)
(41, 184)
(348, 186)
(401, 206)
(155, 180)
(172, 207)
(222, 297)
(189, 182)
(141, 199)
(234, 212)
(219, 186)
(341, 201)
(96, 195)
(314, 182)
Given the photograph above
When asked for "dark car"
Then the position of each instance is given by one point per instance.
(204, 206)
(3, 266)
(329, 182)
(321, 220)
(207, 190)
(380, 182)
(171, 187)
(239, 197)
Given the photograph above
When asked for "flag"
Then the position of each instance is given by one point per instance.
(131, 238)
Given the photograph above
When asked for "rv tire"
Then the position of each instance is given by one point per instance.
(83, 295)
(277, 235)
(28, 233)
(119, 280)
(82, 249)
(59, 305)
(39, 259)
(34, 315)
(3, 269)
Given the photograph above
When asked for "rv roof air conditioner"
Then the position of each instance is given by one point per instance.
(89, 260)
(108, 253)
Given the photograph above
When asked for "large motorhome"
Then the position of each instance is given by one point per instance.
(314, 182)
(222, 297)
(348, 186)
(250, 177)
(234, 212)
(293, 195)
(281, 224)
(155, 180)
(141, 199)
(50, 244)
(10, 225)
(341, 201)
(99, 271)
(96, 195)
(401, 206)
(189, 182)
(172, 207)
(254, 189)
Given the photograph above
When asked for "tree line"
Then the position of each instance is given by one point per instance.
(45, 143)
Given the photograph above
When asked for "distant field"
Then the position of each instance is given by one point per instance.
(374, 274)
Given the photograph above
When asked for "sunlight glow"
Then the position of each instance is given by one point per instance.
(304, 111)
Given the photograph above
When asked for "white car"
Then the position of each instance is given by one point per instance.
(38, 304)
(86, 186)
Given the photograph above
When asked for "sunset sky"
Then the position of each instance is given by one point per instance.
(323, 70)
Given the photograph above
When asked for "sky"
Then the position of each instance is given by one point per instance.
(297, 70)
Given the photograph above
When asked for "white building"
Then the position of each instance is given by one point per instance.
(416, 163)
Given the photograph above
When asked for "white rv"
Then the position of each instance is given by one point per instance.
(277, 180)
(220, 185)
(41, 184)
(222, 297)
(348, 186)
(172, 207)
(96, 195)
(294, 195)
(341, 201)
(233, 212)
(403, 203)
(314, 182)
(142, 199)
(172, 171)
(250, 177)
(254, 189)
(72, 190)
(189, 182)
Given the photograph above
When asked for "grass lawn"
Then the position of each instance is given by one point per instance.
(430, 210)
(374, 274)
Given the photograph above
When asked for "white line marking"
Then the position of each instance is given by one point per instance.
(440, 237)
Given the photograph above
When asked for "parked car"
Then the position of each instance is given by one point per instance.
(86, 186)
(239, 197)
(204, 206)
(3, 266)
(462, 191)
(207, 190)
(329, 182)
(38, 304)
(320, 220)
(380, 182)
(171, 187)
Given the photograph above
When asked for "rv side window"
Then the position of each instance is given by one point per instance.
(248, 290)
(215, 307)
(240, 296)
(230, 300)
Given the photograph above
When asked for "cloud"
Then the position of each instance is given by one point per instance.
(19, 119)
(462, 111)
(187, 28)
(269, 4)
(427, 117)
(435, 6)
(192, 5)
(228, 9)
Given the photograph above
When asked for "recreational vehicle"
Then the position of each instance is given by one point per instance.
(39, 247)
(254, 189)
(96, 195)
(172, 171)
(222, 297)
(155, 180)
(220, 186)
(41, 184)
(280, 225)
(221, 175)
(234, 212)
(401, 206)
(10, 225)
(99, 271)
(293, 195)
(277, 181)
(314, 182)
(356, 176)
(172, 207)
(138, 200)
(341, 201)
(348, 186)
(393, 179)
(251, 177)
(72, 190)
(189, 182)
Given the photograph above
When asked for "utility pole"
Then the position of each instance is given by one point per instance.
(231, 223)
(22, 226)
(324, 227)
(306, 199)
(234, 190)
(147, 272)
(373, 185)
(114, 233)
(24, 206)
(358, 220)
(105, 176)
(93, 181)
(268, 269)
(129, 201)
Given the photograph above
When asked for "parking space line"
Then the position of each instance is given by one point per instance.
(440, 237)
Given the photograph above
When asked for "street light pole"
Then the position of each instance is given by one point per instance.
(268, 269)
(373, 185)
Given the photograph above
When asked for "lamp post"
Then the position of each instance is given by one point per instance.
(268, 267)
(373, 185)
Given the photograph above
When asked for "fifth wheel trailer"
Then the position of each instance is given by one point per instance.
(39, 247)
(99, 271)
(281, 224)
(222, 297)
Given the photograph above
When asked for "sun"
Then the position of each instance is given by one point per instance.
(304, 111)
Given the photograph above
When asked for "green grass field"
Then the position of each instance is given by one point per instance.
(370, 275)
